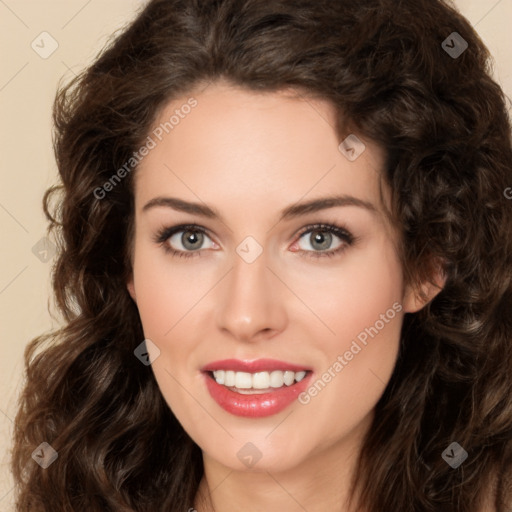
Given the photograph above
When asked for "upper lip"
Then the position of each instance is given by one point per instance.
(257, 365)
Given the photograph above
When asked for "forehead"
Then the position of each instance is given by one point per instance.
(231, 146)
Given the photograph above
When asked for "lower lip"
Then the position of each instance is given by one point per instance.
(257, 405)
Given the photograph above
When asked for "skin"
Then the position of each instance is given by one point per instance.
(249, 155)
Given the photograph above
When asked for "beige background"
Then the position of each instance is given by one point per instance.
(27, 87)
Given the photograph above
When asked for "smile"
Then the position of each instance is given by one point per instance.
(255, 388)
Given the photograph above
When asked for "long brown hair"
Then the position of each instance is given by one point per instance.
(397, 72)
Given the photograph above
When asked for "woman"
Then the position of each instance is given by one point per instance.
(285, 268)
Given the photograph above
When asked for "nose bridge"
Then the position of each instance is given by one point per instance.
(250, 302)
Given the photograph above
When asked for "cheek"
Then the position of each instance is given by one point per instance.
(361, 306)
(167, 290)
(353, 296)
(167, 296)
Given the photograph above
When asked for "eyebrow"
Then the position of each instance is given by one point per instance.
(292, 211)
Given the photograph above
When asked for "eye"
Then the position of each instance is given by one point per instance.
(323, 240)
(315, 241)
(185, 241)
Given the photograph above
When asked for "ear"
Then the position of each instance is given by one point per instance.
(131, 289)
(417, 297)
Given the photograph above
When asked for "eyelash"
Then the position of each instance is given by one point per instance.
(342, 233)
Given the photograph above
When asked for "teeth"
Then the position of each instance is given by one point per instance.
(299, 376)
(243, 380)
(289, 378)
(276, 379)
(229, 378)
(259, 380)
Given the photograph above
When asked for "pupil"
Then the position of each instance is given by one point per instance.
(322, 239)
(190, 239)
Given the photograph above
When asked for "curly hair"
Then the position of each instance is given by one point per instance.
(443, 123)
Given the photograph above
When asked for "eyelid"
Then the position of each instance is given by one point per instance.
(339, 231)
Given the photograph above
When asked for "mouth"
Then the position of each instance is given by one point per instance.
(255, 388)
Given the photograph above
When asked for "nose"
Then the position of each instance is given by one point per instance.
(251, 302)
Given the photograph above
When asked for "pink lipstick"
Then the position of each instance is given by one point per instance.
(255, 388)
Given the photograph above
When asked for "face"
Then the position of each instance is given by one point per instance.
(240, 267)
